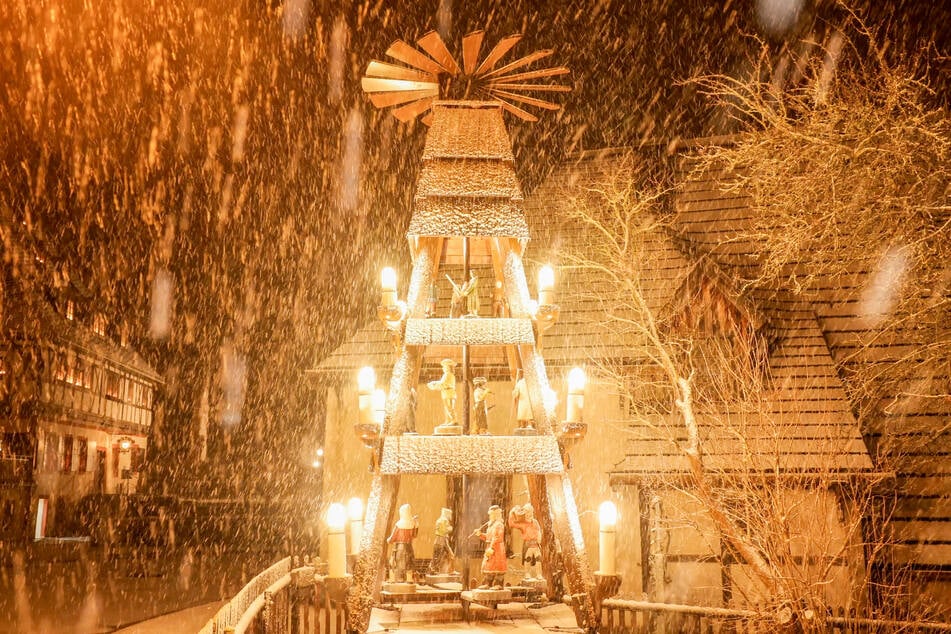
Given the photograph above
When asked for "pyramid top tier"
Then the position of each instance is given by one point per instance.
(467, 187)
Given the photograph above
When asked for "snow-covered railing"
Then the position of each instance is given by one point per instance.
(622, 616)
(282, 600)
(249, 599)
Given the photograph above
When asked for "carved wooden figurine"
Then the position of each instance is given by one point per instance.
(521, 405)
(443, 555)
(446, 385)
(402, 557)
(480, 409)
(494, 563)
(523, 519)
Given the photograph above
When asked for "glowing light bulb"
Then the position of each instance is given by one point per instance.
(355, 509)
(607, 544)
(366, 382)
(366, 379)
(546, 285)
(388, 285)
(336, 541)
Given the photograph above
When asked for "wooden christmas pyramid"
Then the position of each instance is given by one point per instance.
(467, 211)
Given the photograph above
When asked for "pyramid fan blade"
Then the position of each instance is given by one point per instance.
(471, 44)
(535, 74)
(500, 84)
(522, 61)
(405, 53)
(412, 110)
(373, 84)
(525, 99)
(433, 44)
(391, 71)
(518, 112)
(497, 53)
(386, 99)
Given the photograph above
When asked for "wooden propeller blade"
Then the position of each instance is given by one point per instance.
(542, 87)
(525, 99)
(386, 99)
(391, 71)
(518, 112)
(405, 53)
(522, 61)
(374, 84)
(471, 44)
(499, 51)
(412, 110)
(433, 44)
(535, 74)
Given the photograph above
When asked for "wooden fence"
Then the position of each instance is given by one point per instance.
(286, 600)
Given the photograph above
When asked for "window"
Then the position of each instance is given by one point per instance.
(99, 324)
(83, 450)
(59, 366)
(67, 453)
(137, 458)
(51, 452)
(70, 309)
(112, 385)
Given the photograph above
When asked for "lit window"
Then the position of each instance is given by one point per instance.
(112, 385)
(99, 324)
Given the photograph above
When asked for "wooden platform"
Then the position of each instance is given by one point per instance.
(468, 455)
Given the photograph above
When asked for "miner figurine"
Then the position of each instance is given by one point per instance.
(471, 290)
(443, 555)
(402, 559)
(522, 406)
(494, 563)
(446, 385)
(523, 519)
(480, 409)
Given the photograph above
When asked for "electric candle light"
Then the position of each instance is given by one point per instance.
(355, 511)
(607, 513)
(379, 405)
(336, 541)
(575, 402)
(546, 284)
(388, 284)
(366, 382)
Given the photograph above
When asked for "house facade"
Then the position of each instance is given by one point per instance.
(75, 412)
(793, 450)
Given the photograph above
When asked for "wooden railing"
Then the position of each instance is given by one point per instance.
(280, 600)
(620, 616)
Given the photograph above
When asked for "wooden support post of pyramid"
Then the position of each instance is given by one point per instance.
(467, 190)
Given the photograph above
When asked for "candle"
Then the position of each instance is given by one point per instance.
(366, 382)
(379, 405)
(355, 511)
(607, 513)
(546, 284)
(388, 284)
(336, 541)
(575, 402)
